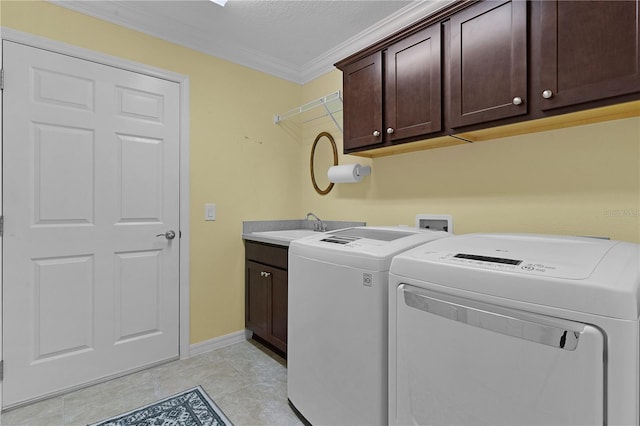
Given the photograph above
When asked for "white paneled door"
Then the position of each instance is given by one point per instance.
(91, 196)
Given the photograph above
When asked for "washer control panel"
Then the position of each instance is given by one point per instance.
(549, 256)
(496, 263)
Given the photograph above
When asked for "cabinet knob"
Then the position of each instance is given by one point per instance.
(547, 94)
(376, 133)
(390, 130)
(517, 100)
(265, 274)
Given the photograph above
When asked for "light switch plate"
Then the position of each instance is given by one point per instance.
(209, 212)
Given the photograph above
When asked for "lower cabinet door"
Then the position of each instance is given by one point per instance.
(258, 296)
(266, 303)
(279, 293)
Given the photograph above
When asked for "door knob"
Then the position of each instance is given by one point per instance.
(376, 133)
(169, 235)
(517, 100)
(390, 130)
(265, 274)
(547, 94)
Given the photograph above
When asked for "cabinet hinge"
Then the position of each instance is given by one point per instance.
(2, 79)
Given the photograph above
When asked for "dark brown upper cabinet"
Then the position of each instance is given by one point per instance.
(478, 66)
(362, 114)
(413, 100)
(590, 50)
(488, 66)
(394, 94)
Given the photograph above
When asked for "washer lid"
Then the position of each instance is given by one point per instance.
(346, 236)
(362, 247)
(545, 255)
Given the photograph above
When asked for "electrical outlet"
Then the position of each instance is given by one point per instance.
(209, 212)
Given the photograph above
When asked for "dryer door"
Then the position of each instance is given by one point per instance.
(457, 361)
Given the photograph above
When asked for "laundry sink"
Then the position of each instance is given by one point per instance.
(285, 234)
(282, 232)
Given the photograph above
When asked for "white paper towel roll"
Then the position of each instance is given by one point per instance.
(348, 173)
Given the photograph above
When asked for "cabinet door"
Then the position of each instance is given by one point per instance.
(589, 51)
(266, 303)
(257, 299)
(488, 66)
(413, 101)
(362, 85)
(279, 295)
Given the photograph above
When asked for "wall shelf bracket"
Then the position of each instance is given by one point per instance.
(329, 105)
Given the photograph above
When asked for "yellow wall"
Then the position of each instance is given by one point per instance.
(584, 180)
(577, 181)
(239, 159)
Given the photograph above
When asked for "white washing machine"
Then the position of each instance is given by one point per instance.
(492, 329)
(338, 326)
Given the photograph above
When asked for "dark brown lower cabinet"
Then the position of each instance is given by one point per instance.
(266, 292)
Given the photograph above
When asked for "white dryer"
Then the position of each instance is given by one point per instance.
(490, 329)
(337, 324)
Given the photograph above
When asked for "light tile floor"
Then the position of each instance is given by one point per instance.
(246, 380)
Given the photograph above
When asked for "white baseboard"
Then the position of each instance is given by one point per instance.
(218, 342)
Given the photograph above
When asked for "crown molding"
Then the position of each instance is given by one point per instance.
(188, 36)
(393, 23)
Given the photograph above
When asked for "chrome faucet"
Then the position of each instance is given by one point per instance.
(318, 226)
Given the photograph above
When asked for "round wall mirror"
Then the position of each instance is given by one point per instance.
(324, 154)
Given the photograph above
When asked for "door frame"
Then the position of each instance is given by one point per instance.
(183, 82)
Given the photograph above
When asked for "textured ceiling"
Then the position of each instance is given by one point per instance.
(296, 40)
